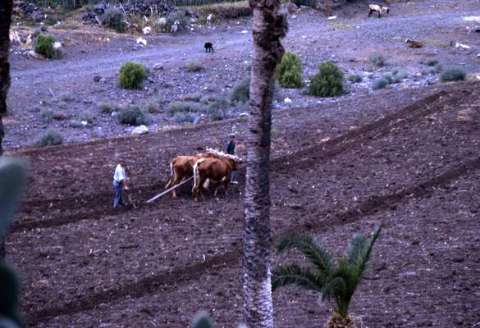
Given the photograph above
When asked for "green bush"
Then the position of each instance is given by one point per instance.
(114, 18)
(377, 60)
(355, 78)
(51, 20)
(395, 77)
(132, 115)
(152, 108)
(185, 117)
(50, 138)
(290, 71)
(132, 75)
(193, 97)
(380, 84)
(328, 82)
(186, 107)
(226, 10)
(241, 92)
(453, 74)
(44, 45)
(106, 108)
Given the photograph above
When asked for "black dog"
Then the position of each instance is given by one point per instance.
(208, 47)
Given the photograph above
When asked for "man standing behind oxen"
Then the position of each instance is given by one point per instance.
(119, 184)
(230, 149)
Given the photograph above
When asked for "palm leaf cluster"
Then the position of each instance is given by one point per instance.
(335, 279)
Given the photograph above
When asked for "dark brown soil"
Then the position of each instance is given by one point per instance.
(415, 168)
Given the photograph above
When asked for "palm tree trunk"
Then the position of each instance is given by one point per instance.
(269, 26)
(5, 20)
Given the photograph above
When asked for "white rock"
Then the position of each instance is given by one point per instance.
(141, 129)
(147, 30)
(244, 32)
(472, 19)
(33, 54)
(287, 100)
(84, 123)
(332, 17)
(57, 45)
(462, 46)
(210, 17)
(142, 42)
(161, 22)
(158, 67)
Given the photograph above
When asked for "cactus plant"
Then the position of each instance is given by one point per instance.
(12, 181)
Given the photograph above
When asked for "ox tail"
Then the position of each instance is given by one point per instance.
(196, 174)
(172, 176)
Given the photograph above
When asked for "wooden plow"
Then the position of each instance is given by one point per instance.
(163, 193)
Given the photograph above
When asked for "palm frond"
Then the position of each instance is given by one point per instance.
(295, 275)
(315, 253)
(334, 288)
(366, 251)
(357, 246)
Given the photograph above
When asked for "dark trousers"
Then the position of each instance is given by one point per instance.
(118, 188)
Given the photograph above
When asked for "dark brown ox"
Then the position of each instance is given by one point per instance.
(214, 169)
(181, 168)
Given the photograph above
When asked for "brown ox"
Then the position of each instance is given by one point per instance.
(214, 169)
(181, 168)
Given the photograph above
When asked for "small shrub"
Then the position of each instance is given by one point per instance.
(132, 75)
(227, 10)
(87, 117)
(132, 115)
(395, 77)
(328, 82)
(47, 115)
(194, 67)
(185, 117)
(44, 46)
(216, 114)
(59, 116)
(380, 84)
(399, 75)
(290, 71)
(377, 60)
(218, 103)
(114, 18)
(217, 108)
(50, 138)
(241, 92)
(185, 107)
(355, 78)
(152, 108)
(106, 108)
(51, 20)
(453, 74)
(431, 62)
(192, 97)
